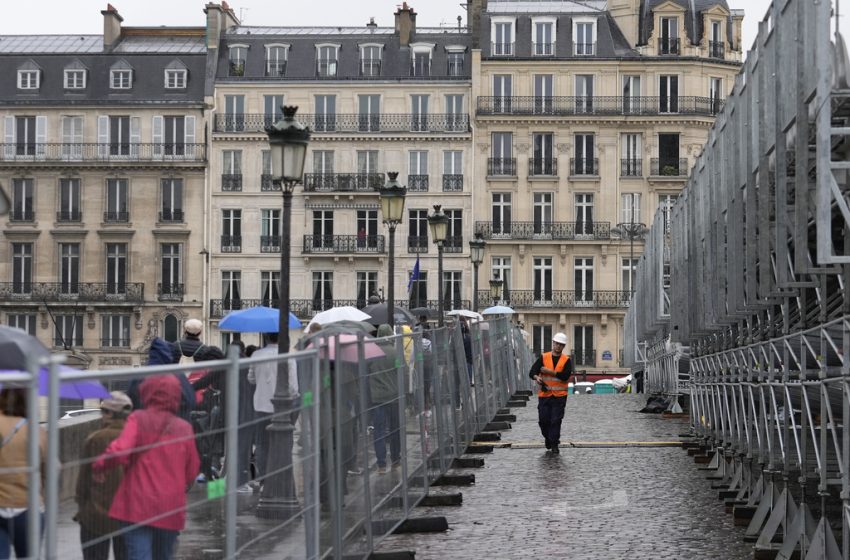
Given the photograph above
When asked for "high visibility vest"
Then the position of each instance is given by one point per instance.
(554, 386)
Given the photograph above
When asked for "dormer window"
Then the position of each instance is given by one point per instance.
(421, 63)
(326, 60)
(28, 79)
(454, 59)
(176, 75)
(75, 78)
(715, 44)
(120, 76)
(584, 37)
(276, 57)
(370, 60)
(668, 38)
(237, 55)
(543, 36)
(502, 33)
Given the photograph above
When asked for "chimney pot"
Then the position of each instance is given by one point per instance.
(111, 26)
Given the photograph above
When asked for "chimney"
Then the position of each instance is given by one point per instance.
(219, 18)
(405, 24)
(473, 18)
(626, 14)
(111, 26)
(372, 24)
(737, 36)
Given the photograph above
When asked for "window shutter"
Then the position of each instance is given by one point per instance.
(135, 136)
(40, 135)
(156, 136)
(190, 138)
(9, 148)
(102, 136)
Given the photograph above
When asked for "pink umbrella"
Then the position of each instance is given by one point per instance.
(348, 351)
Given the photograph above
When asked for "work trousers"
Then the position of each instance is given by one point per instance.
(550, 412)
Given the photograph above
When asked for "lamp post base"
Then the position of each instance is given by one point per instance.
(278, 500)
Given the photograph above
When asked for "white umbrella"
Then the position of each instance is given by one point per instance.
(466, 313)
(334, 314)
(498, 310)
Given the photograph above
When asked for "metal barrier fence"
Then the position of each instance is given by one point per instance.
(375, 423)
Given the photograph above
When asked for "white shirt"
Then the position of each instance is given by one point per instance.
(264, 376)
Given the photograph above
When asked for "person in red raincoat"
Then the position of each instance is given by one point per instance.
(160, 460)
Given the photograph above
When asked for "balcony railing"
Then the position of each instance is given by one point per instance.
(542, 167)
(455, 68)
(584, 49)
(453, 244)
(614, 105)
(90, 152)
(350, 122)
(116, 217)
(270, 244)
(171, 216)
(543, 49)
(306, 308)
(130, 292)
(452, 182)
(544, 230)
(18, 215)
(584, 166)
(668, 45)
(275, 68)
(505, 167)
(267, 184)
(69, 216)
(231, 243)
(417, 183)
(716, 49)
(420, 69)
(333, 182)
(236, 68)
(417, 243)
(583, 357)
(501, 49)
(231, 182)
(336, 244)
(561, 299)
(631, 167)
(668, 167)
(370, 68)
(169, 292)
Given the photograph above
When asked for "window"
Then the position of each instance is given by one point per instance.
(22, 200)
(543, 37)
(503, 37)
(367, 230)
(68, 331)
(665, 204)
(585, 40)
(370, 60)
(69, 201)
(231, 170)
(502, 93)
(276, 57)
(231, 231)
(452, 285)
(542, 280)
(115, 331)
(501, 212)
(118, 135)
(668, 41)
(583, 352)
(231, 289)
(325, 113)
(543, 161)
(502, 271)
(417, 242)
(367, 284)
(116, 201)
(25, 136)
(234, 113)
(585, 162)
(174, 136)
(323, 161)
(455, 119)
(631, 94)
(266, 183)
(419, 113)
(23, 321)
(323, 295)
(120, 79)
(175, 78)
(452, 171)
(630, 165)
(171, 200)
(584, 94)
(630, 208)
(419, 290)
(367, 162)
(369, 113)
(116, 268)
(543, 91)
(629, 266)
(417, 178)
(421, 63)
(583, 267)
(171, 275)
(69, 268)
(454, 233)
(715, 94)
(270, 287)
(541, 339)
(75, 79)
(455, 63)
(237, 54)
(502, 162)
(323, 230)
(668, 94)
(326, 60)
(542, 213)
(269, 230)
(584, 216)
(28, 79)
(22, 268)
(272, 108)
(669, 162)
(72, 137)
(715, 44)
(170, 328)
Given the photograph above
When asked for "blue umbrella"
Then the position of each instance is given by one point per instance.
(498, 310)
(80, 389)
(258, 319)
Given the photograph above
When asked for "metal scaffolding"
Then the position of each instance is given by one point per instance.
(749, 284)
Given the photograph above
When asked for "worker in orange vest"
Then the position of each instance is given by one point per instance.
(551, 372)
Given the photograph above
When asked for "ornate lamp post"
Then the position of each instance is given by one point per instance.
(495, 290)
(476, 255)
(288, 141)
(392, 209)
(631, 230)
(439, 224)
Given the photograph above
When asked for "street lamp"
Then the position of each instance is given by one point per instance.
(288, 141)
(439, 224)
(476, 255)
(632, 230)
(495, 289)
(392, 209)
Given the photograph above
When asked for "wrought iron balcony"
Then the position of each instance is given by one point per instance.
(631, 167)
(51, 292)
(668, 167)
(542, 167)
(417, 244)
(542, 299)
(116, 217)
(350, 122)
(583, 357)
(270, 244)
(171, 216)
(566, 231)
(453, 244)
(343, 182)
(267, 184)
(716, 49)
(434, 304)
(169, 292)
(231, 182)
(69, 216)
(452, 182)
(18, 215)
(231, 243)
(614, 105)
(417, 183)
(543, 49)
(501, 167)
(104, 153)
(336, 244)
(275, 68)
(584, 166)
(584, 49)
(501, 49)
(669, 45)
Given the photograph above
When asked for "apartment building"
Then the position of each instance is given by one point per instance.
(104, 158)
(377, 99)
(588, 117)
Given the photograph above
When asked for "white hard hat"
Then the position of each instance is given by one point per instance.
(560, 338)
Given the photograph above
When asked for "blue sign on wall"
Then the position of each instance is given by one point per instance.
(606, 355)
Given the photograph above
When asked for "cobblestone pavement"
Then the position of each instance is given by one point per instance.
(587, 503)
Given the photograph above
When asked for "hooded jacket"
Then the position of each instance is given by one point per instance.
(160, 460)
(160, 354)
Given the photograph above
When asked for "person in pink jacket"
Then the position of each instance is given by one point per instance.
(160, 460)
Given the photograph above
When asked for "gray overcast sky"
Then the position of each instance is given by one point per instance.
(83, 16)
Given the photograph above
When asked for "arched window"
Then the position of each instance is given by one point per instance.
(171, 328)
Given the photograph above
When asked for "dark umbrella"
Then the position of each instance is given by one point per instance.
(427, 311)
(379, 314)
(16, 345)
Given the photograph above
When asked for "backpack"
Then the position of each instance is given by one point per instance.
(188, 359)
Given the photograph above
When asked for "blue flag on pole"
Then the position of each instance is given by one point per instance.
(414, 276)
